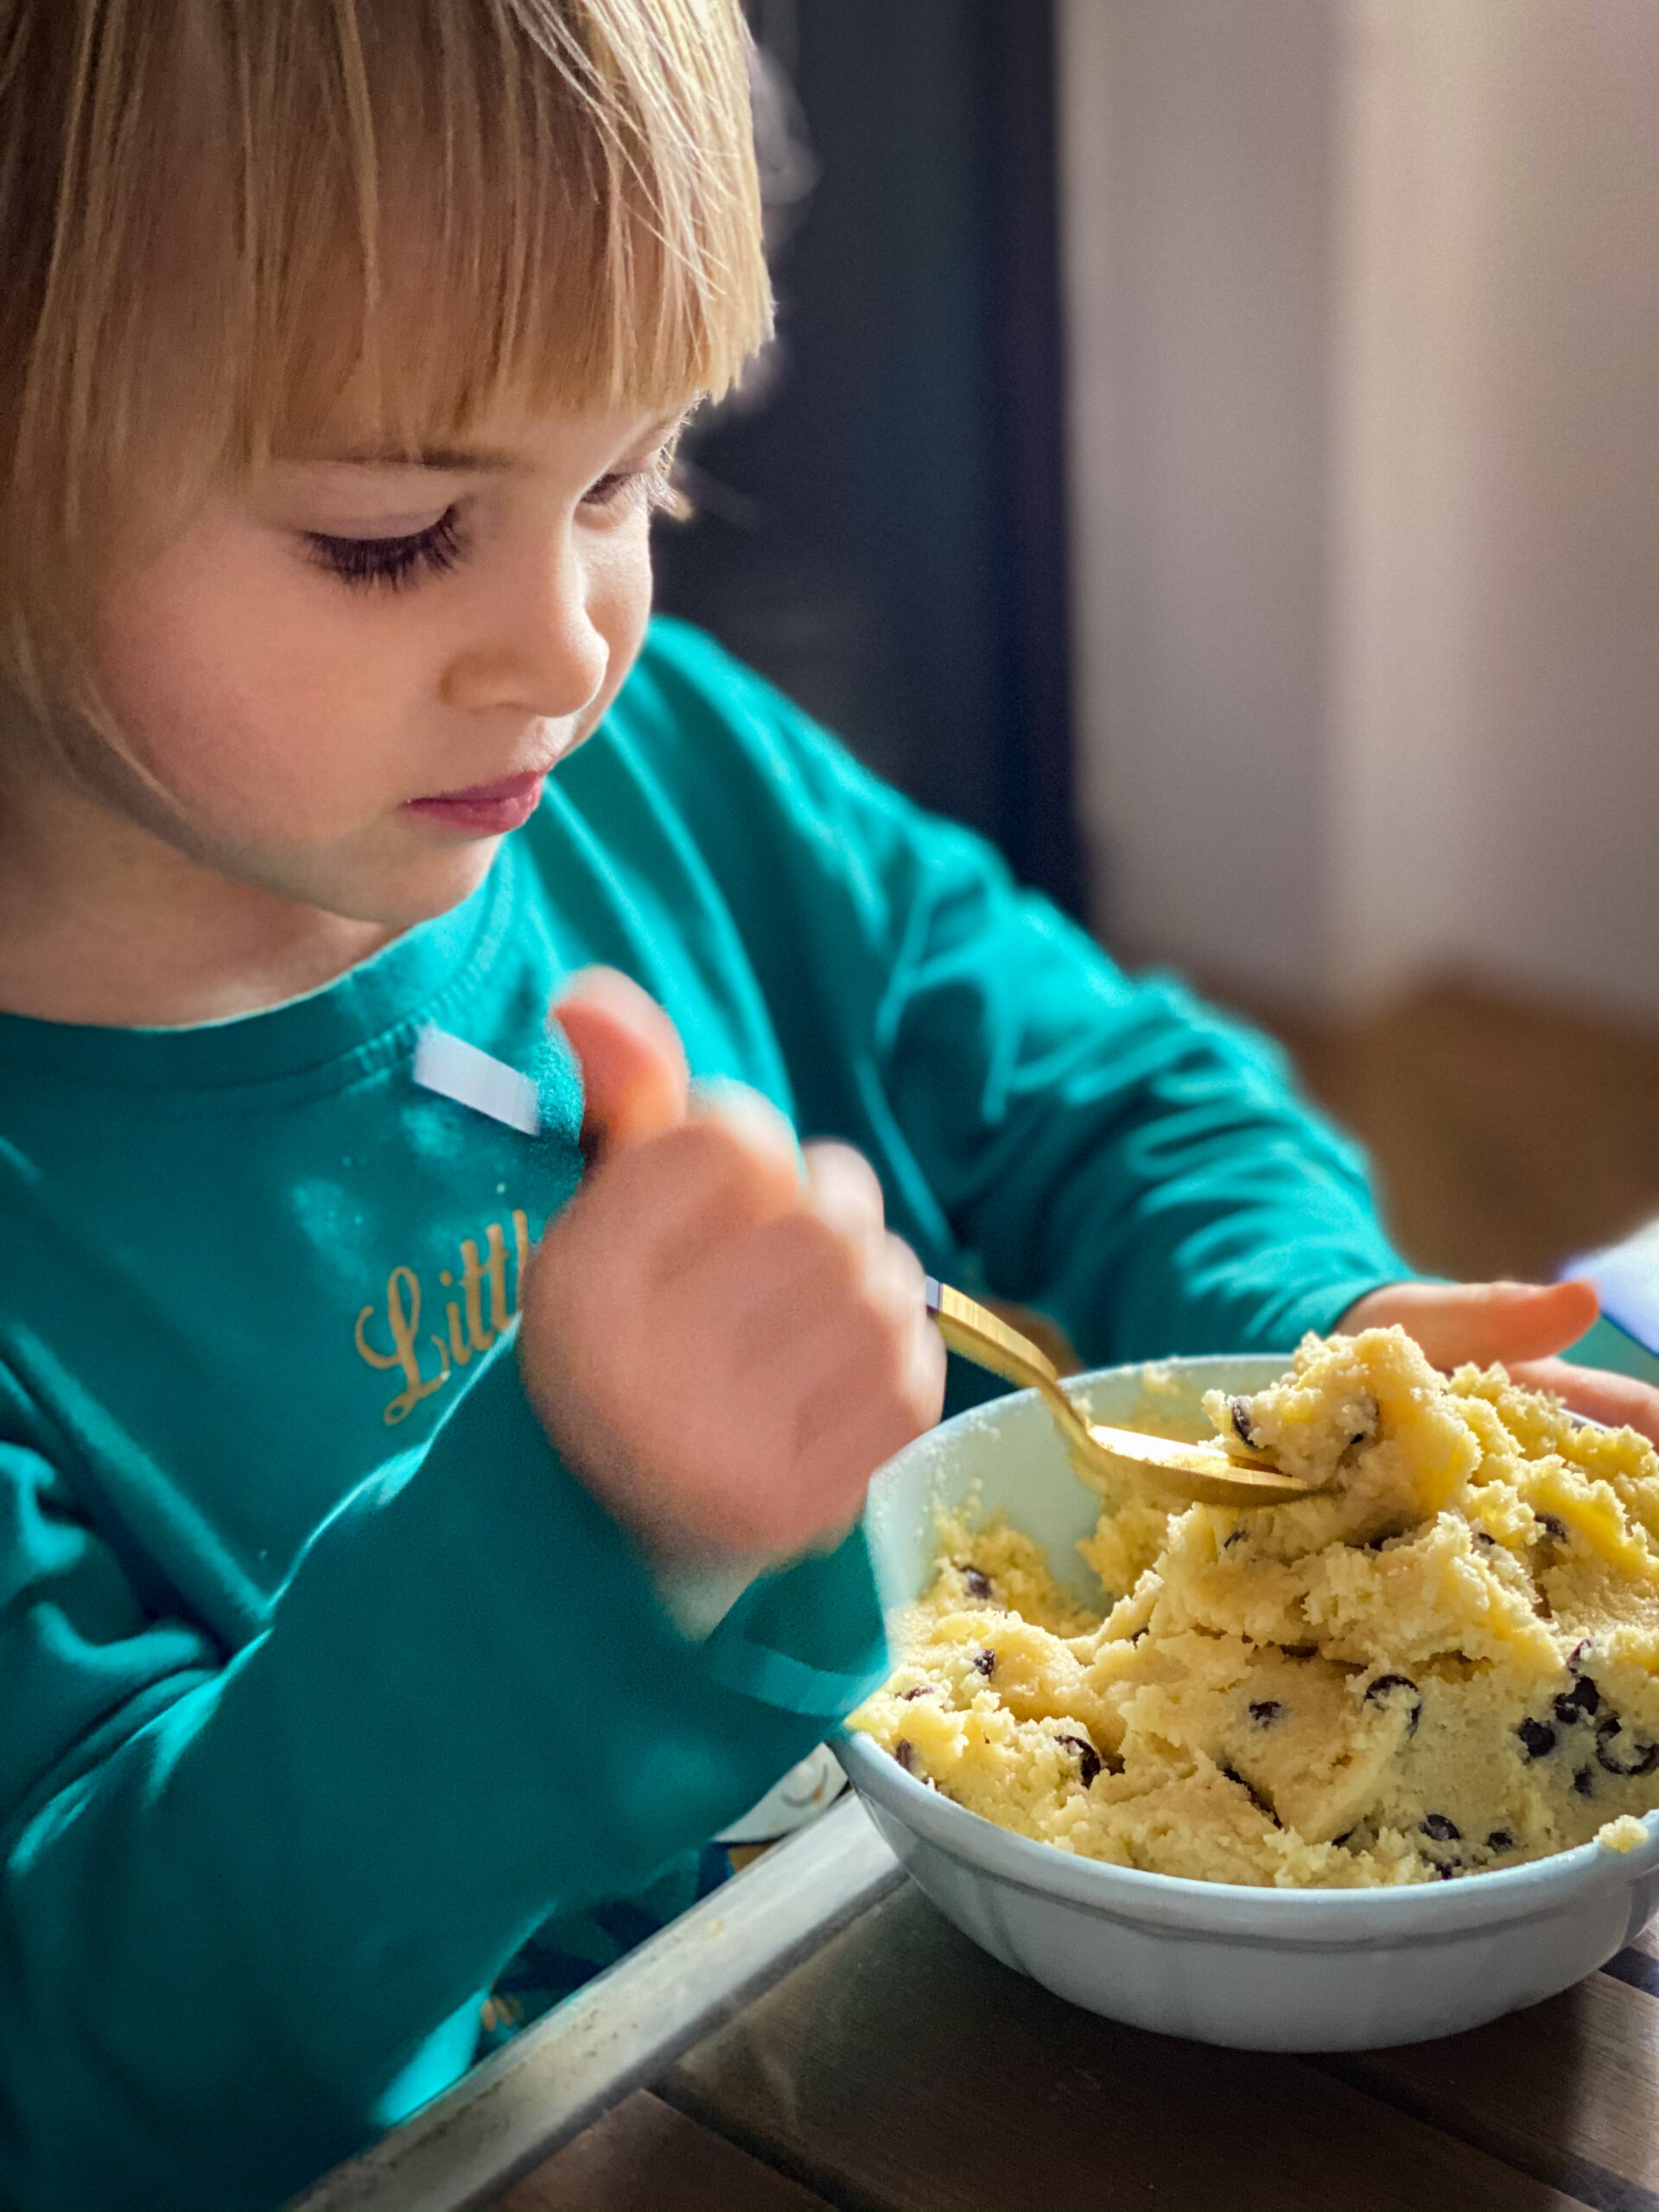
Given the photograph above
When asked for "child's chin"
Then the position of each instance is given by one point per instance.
(436, 889)
(399, 898)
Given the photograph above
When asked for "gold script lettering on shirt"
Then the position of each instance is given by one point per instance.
(468, 1332)
(495, 1267)
(402, 1321)
(472, 1277)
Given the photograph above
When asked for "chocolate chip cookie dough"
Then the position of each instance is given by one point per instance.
(1446, 1662)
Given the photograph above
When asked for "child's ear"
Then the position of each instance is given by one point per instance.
(635, 1082)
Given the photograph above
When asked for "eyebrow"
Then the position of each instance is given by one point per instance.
(466, 459)
(445, 457)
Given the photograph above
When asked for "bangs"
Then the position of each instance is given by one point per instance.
(553, 202)
(223, 221)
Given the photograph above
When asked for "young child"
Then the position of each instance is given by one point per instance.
(403, 1566)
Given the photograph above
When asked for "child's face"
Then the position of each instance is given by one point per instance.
(334, 651)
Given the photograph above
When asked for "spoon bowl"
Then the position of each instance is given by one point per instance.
(1182, 1473)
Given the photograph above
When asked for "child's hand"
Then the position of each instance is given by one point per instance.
(723, 1350)
(1523, 1325)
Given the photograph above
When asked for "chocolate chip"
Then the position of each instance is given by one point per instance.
(1578, 1702)
(1240, 1410)
(1238, 1537)
(1585, 1783)
(1136, 1637)
(1441, 1829)
(1576, 1653)
(1266, 1711)
(1300, 1650)
(985, 1663)
(1088, 1756)
(1386, 1686)
(1500, 1840)
(976, 1582)
(1443, 1869)
(1537, 1736)
(1557, 1531)
(922, 1689)
(1346, 1837)
(1629, 1757)
(905, 1751)
(1481, 1537)
(1254, 1795)
(1363, 1435)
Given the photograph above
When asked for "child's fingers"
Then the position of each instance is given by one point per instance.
(783, 1329)
(845, 1191)
(739, 1106)
(1481, 1321)
(1618, 1399)
(696, 1188)
(922, 1378)
(845, 1431)
(635, 1078)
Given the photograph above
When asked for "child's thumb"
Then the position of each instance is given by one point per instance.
(634, 1073)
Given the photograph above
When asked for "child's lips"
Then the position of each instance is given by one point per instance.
(484, 810)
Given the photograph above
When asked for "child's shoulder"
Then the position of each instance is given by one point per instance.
(680, 661)
(724, 738)
(686, 688)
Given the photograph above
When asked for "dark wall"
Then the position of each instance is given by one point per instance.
(883, 535)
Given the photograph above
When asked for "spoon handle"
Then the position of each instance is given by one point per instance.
(1187, 1471)
(984, 1336)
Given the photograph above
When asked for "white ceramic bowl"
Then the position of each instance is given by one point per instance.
(1260, 1969)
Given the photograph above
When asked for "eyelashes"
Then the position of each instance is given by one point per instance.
(626, 487)
(394, 561)
(397, 562)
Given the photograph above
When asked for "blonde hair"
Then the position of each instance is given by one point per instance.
(219, 217)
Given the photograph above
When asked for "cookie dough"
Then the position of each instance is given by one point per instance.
(1447, 1661)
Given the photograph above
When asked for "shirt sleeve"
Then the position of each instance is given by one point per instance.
(1115, 1151)
(1106, 1149)
(244, 1892)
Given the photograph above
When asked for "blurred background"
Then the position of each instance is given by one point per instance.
(1212, 447)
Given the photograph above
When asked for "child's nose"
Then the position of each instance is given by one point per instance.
(543, 654)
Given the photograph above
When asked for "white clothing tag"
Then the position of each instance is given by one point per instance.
(456, 1070)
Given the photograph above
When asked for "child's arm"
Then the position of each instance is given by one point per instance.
(1108, 1148)
(251, 1900)
(1149, 1170)
(1111, 1149)
(243, 1891)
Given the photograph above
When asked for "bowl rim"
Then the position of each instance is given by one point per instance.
(1492, 1897)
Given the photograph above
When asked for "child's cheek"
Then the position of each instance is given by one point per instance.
(265, 709)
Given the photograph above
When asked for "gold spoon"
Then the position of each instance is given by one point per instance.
(1191, 1472)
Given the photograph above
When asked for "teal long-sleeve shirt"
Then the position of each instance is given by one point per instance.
(323, 1684)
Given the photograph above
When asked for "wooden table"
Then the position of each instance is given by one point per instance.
(901, 2068)
(896, 2067)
